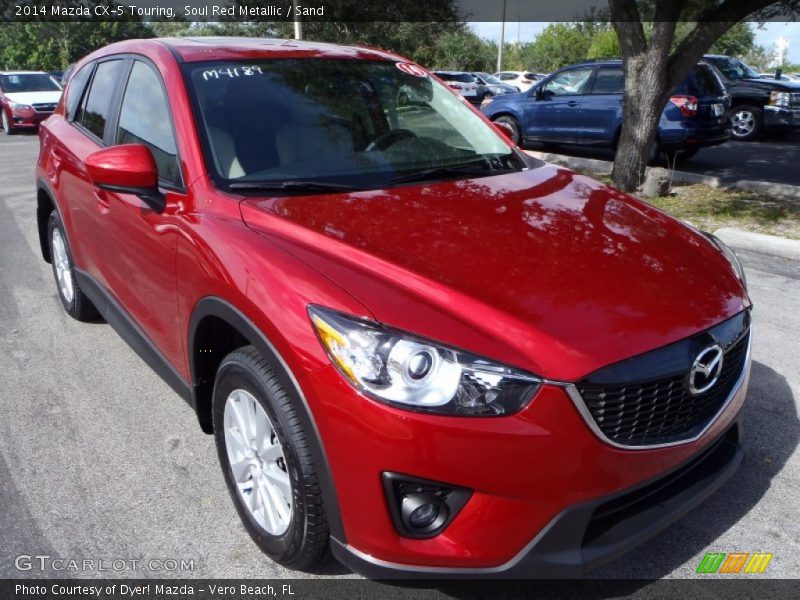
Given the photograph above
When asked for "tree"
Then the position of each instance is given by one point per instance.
(605, 44)
(653, 68)
(51, 45)
(737, 41)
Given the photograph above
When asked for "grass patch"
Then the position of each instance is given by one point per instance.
(710, 208)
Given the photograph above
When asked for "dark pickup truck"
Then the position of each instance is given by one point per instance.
(757, 105)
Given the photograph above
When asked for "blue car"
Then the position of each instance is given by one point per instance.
(582, 104)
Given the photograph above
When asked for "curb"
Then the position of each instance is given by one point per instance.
(759, 242)
(774, 189)
(604, 167)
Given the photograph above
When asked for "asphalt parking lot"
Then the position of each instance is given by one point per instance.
(99, 459)
(773, 158)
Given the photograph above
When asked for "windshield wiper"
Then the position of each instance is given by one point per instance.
(481, 166)
(293, 185)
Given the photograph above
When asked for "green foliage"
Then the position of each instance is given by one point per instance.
(605, 44)
(738, 41)
(51, 45)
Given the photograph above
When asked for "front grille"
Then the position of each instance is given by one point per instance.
(45, 107)
(662, 411)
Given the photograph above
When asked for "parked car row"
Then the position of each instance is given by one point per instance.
(582, 104)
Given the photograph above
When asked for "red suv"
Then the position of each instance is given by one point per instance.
(412, 342)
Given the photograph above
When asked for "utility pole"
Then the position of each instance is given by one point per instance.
(502, 39)
(298, 24)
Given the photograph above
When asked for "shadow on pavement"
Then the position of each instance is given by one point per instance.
(773, 158)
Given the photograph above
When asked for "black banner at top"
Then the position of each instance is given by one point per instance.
(379, 10)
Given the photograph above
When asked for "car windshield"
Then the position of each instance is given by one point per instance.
(490, 79)
(733, 68)
(13, 83)
(313, 122)
(460, 77)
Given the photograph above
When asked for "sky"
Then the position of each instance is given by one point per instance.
(765, 35)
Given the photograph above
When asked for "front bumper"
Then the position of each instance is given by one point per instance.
(27, 119)
(584, 536)
(778, 118)
(539, 479)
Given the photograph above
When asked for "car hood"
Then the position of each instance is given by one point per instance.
(775, 84)
(34, 97)
(546, 269)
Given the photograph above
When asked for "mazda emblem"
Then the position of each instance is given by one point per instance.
(706, 369)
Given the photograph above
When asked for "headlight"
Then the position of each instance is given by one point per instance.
(782, 99)
(18, 106)
(730, 255)
(413, 373)
(486, 101)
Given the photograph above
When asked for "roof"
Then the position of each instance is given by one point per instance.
(23, 73)
(193, 49)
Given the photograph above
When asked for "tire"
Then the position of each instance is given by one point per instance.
(74, 301)
(293, 529)
(8, 128)
(747, 122)
(517, 138)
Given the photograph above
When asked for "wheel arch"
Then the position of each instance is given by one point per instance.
(45, 205)
(215, 329)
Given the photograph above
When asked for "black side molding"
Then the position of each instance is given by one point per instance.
(129, 330)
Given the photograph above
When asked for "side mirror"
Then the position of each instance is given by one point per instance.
(538, 93)
(505, 129)
(127, 169)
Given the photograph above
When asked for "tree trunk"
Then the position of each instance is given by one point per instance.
(642, 113)
(653, 69)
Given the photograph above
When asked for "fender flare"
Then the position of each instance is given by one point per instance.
(222, 309)
(43, 186)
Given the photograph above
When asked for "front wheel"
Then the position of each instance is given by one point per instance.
(266, 461)
(7, 127)
(516, 136)
(74, 301)
(747, 122)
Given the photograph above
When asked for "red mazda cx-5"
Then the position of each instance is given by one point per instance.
(412, 342)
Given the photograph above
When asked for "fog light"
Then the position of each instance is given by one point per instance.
(423, 515)
(421, 508)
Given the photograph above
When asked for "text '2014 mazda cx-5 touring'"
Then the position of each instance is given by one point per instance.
(413, 343)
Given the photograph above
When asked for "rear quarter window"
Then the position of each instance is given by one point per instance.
(95, 109)
(75, 89)
(702, 81)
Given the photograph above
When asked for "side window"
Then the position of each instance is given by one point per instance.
(96, 106)
(609, 80)
(75, 89)
(570, 82)
(145, 119)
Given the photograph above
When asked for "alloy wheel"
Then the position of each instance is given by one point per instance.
(63, 271)
(743, 123)
(258, 462)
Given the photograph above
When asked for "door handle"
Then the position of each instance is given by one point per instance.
(56, 156)
(102, 200)
(572, 103)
